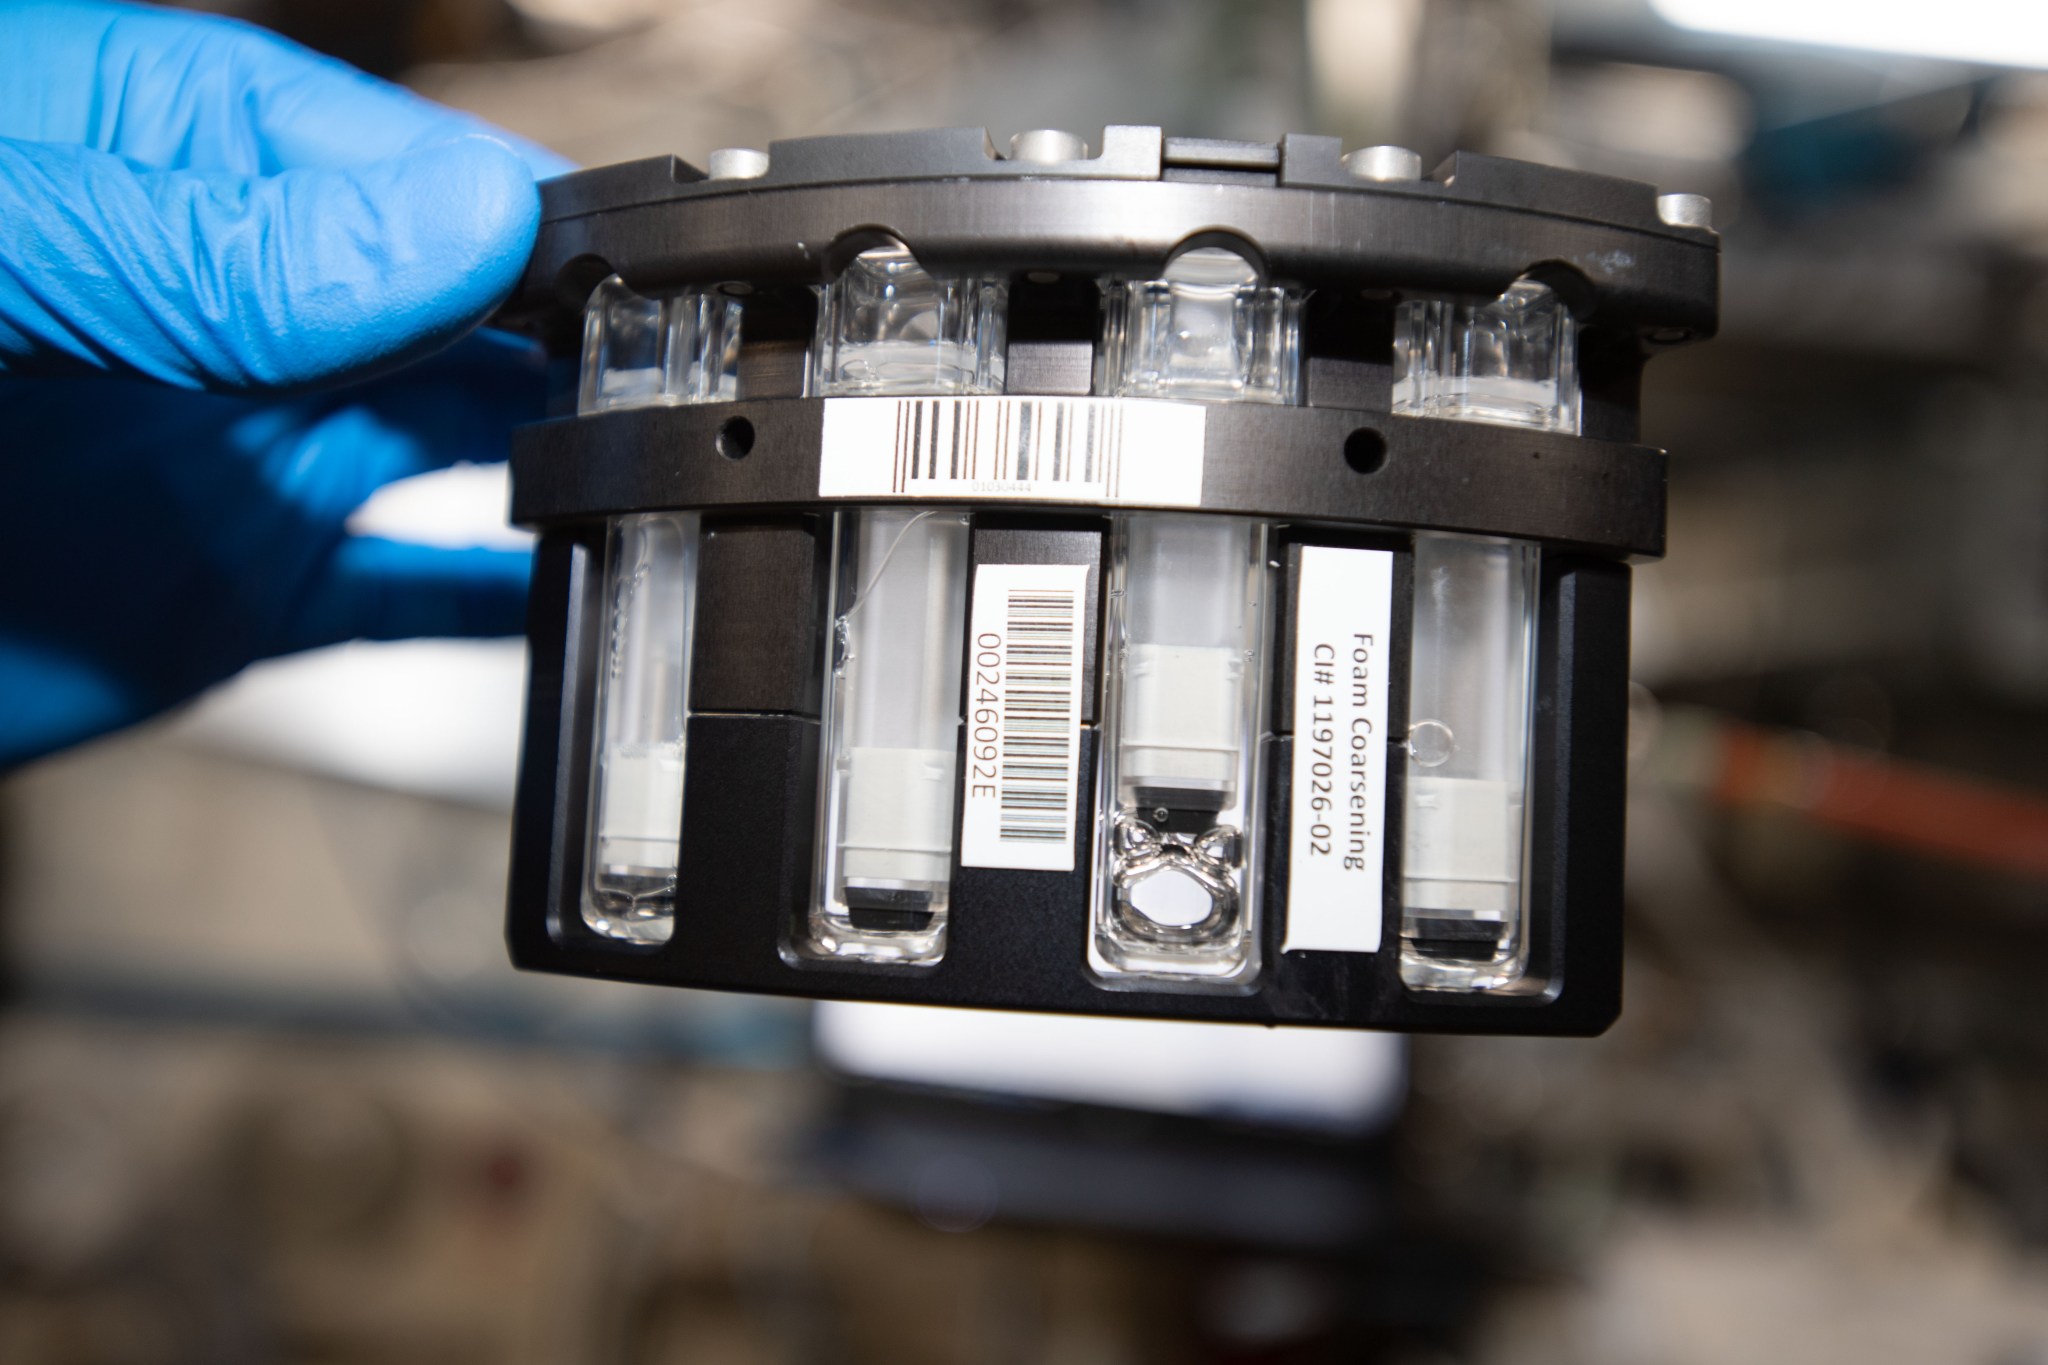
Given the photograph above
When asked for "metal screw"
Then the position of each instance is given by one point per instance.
(1384, 163)
(1045, 146)
(1686, 210)
(737, 163)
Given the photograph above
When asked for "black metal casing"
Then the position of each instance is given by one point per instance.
(1017, 939)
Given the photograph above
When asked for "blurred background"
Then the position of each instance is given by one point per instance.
(269, 1092)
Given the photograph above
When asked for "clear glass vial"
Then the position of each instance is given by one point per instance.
(1178, 781)
(642, 352)
(636, 805)
(891, 773)
(638, 352)
(1208, 329)
(1177, 791)
(1512, 361)
(887, 326)
(1464, 918)
(1463, 899)
(893, 704)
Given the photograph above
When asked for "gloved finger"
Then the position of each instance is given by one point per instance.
(181, 91)
(54, 699)
(232, 283)
(489, 353)
(377, 589)
(457, 408)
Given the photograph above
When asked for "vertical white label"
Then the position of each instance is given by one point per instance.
(1023, 716)
(1134, 451)
(1337, 839)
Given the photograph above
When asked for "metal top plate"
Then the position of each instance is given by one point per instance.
(1474, 227)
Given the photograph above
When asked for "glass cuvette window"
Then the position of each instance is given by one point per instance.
(890, 780)
(643, 352)
(1511, 361)
(640, 352)
(887, 326)
(1175, 901)
(643, 688)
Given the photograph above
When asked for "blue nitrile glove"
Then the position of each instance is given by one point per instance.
(200, 226)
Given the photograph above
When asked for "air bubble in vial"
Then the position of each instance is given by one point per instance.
(1431, 743)
(1172, 899)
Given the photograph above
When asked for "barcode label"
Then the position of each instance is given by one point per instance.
(1140, 452)
(1023, 716)
(1343, 627)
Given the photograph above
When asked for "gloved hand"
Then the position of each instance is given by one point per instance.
(202, 229)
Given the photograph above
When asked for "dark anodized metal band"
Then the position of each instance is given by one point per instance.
(1473, 229)
(1285, 464)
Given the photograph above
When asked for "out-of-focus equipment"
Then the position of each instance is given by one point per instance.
(1187, 580)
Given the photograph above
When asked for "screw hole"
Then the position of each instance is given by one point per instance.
(1365, 450)
(735, 438)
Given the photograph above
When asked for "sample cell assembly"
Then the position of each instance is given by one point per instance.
(1186, 579)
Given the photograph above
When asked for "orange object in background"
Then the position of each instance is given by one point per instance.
(1884, 800)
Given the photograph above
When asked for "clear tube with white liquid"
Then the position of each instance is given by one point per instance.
(1468, 742)
(892, 753)
(1464, 921)
(642, 352)
(887, 327)
(1175, 898)
(1181, 738)
(636, 815)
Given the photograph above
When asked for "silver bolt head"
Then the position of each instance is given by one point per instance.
(1045, 146)
(1686, 210)
(1384, 163)
(737, 163)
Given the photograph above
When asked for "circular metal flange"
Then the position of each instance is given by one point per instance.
(1308, 215)
(1317, 238)
(1278, 463)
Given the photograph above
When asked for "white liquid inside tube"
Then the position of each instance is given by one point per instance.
(1511, 361)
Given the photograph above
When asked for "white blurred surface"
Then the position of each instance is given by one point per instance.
(431, 717)
(1990, 32)
(1300, 1077)
(465, 504)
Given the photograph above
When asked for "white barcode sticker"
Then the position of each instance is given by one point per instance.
(1338, 809)
(1140, 452)
(1023, 716)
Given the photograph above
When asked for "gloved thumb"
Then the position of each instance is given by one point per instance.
(249, 283)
